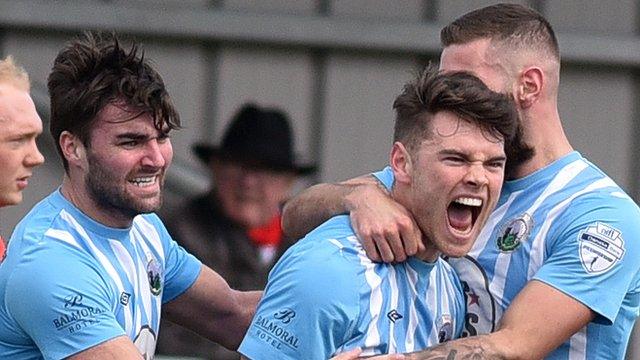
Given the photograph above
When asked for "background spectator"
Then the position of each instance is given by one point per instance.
(235, 227)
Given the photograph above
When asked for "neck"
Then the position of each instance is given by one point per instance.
(431, 253)
(76, 194)
(543, 130)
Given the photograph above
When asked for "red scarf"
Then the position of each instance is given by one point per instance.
(267, 235)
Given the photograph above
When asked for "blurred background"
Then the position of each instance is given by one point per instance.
(334, 65)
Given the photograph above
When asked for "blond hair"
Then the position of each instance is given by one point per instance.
(13, 74)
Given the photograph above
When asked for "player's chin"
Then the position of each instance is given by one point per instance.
(456, 245)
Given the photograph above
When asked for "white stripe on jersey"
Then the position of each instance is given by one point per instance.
(126, 262)
(375, 303)
(63, 236)
(537, 248)
(139, 239)
(113, 274)
(151, 233)
(578, 345)
(144, 288)
(562, 178)
(444, 299)
(432, 301)
(393, 285)
(412, 280)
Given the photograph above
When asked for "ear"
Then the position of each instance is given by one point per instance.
(530, 86)
(72, 149)
(401, 164)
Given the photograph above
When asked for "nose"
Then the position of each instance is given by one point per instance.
(249, 177)
(154, 154)
(476, 176)
(34, 156)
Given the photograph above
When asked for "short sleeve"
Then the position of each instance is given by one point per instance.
(181, 268)
(595, 251)
(385, 176)
(308, 310)
(62, 301)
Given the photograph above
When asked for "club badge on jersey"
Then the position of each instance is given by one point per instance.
(514, 233)
(154, 273)
(601, 247)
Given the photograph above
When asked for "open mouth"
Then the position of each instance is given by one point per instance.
(463, 213)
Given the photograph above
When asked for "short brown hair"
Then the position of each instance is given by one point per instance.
(458, 92)
(93, 71)
(11, 73)
(514, 25)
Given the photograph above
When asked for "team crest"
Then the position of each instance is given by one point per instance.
(154, 273)
(514, 233)
(445, 328)
(601, 247)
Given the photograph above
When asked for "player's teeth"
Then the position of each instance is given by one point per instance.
(469, 201)
(144, 181)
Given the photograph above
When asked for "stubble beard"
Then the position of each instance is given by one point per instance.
(110, 196)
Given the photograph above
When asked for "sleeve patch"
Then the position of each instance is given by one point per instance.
(273, 330)
(601, 247)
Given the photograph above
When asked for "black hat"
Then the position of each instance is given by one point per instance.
(257, 136)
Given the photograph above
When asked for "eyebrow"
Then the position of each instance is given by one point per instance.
(132, 136)
(466, 157)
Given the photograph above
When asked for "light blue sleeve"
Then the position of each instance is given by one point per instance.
(309, 308)
(181, 268)
(594, 251)
(62, 301)
(385, 176)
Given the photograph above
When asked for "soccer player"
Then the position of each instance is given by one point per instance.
(90, 267)
(555, 272)
(325, 296)
(20, 125)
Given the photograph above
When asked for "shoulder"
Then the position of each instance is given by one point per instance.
(320, 262)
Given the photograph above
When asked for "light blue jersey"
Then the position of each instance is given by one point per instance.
(569, 226)
(69, 283)
(325, 296)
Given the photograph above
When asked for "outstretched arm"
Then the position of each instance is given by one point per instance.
(539, 320)
(214, 310)
(385, 228)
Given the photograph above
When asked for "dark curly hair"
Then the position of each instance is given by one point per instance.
(95, 70)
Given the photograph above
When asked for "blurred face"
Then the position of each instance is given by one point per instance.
(20, 125)
(249, 196)
(475, 57)
(126, 163)
(454, 183)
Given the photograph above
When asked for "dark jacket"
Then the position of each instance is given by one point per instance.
(202, 229)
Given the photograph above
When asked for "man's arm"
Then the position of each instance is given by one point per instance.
(539, 320)
(214, 310)
(386, 229)
(114, 349)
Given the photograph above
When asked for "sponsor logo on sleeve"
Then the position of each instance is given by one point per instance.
(273, 329)
(75, 315)
(601, 247)
(514, 233)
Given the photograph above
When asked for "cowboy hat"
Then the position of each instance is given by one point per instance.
(257, 136)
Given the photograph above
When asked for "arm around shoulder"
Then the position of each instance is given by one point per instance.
(386, 229)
